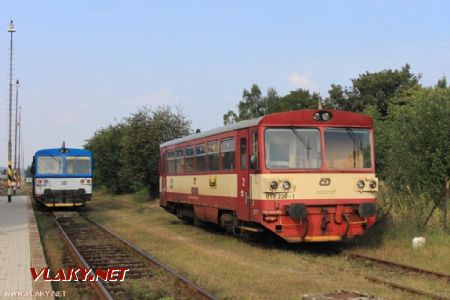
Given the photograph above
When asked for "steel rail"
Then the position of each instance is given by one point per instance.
(405, 288)
(401, 266)
(99, 287)
(194, 287)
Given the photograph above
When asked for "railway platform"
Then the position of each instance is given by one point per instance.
(20, 249)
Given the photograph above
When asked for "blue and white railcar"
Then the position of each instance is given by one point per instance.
(62, 177)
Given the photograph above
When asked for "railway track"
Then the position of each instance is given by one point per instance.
(395, 267)
(95, 247)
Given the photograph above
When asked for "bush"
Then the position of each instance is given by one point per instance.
(126, 155)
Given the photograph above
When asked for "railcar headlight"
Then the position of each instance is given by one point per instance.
(361, 184)
(286, 185)
(274, 185)
(326, 116)
(322, 116)
(82, 180)
(39, 181)
(373, 184)
(45, 181)
(88, 180)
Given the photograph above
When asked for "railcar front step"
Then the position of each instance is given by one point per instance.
(252, 229)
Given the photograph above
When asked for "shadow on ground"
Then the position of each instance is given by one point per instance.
(371, 239)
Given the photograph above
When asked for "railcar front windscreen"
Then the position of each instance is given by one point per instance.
(50, 164)
(348, 148)
(78, 165)
(293, 148)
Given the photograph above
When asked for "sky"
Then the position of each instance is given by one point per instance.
(86, 64)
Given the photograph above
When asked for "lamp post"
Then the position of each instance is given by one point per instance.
(16, 181)
(10, 177)
(21, 146)
(19, 170)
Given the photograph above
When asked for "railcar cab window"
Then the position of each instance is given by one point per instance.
(227, 151)
(200, 157)
(213, 156)
(50, 164)
(348, 148)
(78, 165)
(189, 159)
(179, 157)
(293, 148)
(171, 162)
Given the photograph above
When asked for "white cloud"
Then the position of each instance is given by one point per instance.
(300, 80)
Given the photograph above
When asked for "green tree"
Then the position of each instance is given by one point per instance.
(106, 147)
(230, 117)
(417, 133)
(338, 98)
(372, 89)
(127, 154)
(295, 100)
(442, 83)
(252, 105)
(27, 172)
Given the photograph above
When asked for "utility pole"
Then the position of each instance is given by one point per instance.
(16, 181)
(10, 177)
(20, 148)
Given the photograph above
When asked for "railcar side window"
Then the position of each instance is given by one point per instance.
(78, 165)
(227, 150)
(179, 168)
(213, 156)
(171, 162)
(348, 148)
(293, 148)
(50, 164)
(189, 159)
(243, 154)
(200, 157)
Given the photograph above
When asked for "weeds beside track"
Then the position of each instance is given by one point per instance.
(401, 269)
(96, 247)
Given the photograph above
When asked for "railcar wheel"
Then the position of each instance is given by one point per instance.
(229, 223)
(197, 221)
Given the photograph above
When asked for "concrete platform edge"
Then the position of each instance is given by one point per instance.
(37, 257)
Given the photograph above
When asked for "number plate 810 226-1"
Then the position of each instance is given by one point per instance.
(63, 182)
(278, 195)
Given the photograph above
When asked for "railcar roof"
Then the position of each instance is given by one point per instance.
(57, 151)
(290, 118)
(218, 130)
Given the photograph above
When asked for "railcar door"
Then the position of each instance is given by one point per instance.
(243, 205)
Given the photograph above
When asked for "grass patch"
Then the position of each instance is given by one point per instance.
(234, 268)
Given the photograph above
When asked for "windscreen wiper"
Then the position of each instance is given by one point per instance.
(352, 136)
(300, 138)
(54, 157)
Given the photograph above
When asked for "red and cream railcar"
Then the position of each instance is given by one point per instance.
(306, 175)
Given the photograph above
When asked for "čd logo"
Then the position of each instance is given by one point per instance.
(324, 181)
